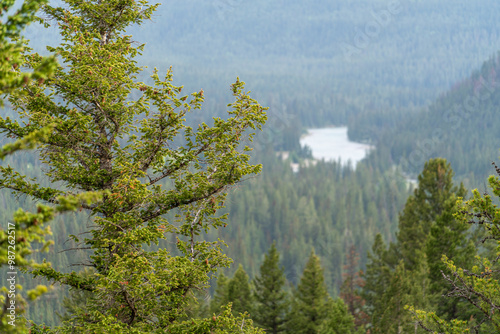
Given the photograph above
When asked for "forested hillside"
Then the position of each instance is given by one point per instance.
(326, 207)
(461, 126)
(293, 54)
(268, 41)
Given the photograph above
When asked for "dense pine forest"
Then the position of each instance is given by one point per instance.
(146, 181)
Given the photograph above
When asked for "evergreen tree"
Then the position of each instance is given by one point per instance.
(239, 292)
(436, 199)
(271, 300)
(377, 277)
(478, 284)
(220, 297)
(426, 219)
(310, 303)
(434, 196)
(448, 236)
(115, 136)
(339, 320)
(405, 288)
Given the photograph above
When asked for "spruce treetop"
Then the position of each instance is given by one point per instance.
(310, 300)
(271, 300)
(435, 195)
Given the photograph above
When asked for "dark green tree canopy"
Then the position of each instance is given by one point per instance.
(435, 195)
(474, 282)
(271, 299)
(239, 292)
(310, 299)
(339, 320)
(409, 272)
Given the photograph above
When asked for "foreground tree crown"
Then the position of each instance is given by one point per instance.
(476, 283)
(128, 141)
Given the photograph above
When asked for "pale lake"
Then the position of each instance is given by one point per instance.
(332, 144)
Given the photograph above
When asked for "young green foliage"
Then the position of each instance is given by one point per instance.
(127, 139)
(12, 47)
(17, 236)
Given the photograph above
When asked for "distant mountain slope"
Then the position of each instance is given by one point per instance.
(462, 126)
(403, 54)
(320, 59)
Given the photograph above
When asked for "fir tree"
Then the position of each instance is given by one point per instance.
(428, 224)
(271, 300)
(310, 303)
(124, 139)
(426, 218)
(478, 284)
(448, 236)
(339, 320)
(434, 196)
(404, 288)
(377, 277)
(239, 292)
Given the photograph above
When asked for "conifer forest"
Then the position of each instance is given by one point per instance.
(154, 176)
